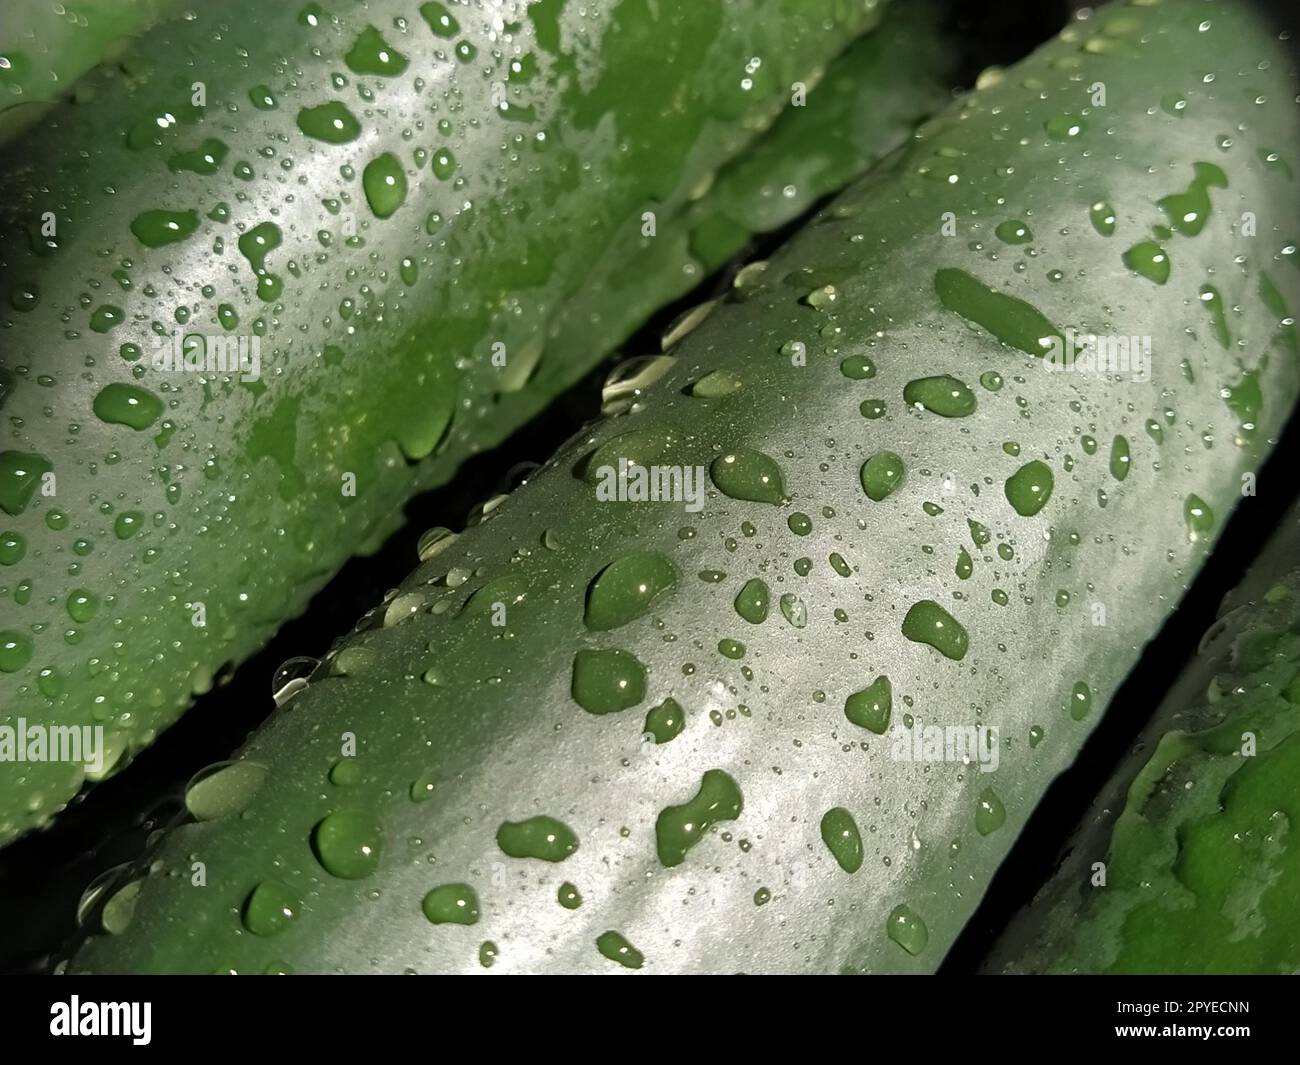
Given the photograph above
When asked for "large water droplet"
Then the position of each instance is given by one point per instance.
(607, 681)
(679, 828)
(927, 622)
(348, 844)
(842, 838)
(538, 837)
(625, 589)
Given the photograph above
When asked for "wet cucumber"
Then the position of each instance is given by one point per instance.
(599, 734)
(45, 46)
(390, 204)
(1187, 861)
(870, 100)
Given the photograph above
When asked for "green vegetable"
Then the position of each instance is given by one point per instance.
(46, 45)
(481, 688)
(362, 226)
(1187, 861)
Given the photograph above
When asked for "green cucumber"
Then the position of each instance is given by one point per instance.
(870, 99)
(591, 734)
(1187, 860)
(45, 46)
(394, 202)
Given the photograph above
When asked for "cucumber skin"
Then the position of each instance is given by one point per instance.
(262, 521)
(501, 735)
(867, 104)
(51, 45)
(1155, 823)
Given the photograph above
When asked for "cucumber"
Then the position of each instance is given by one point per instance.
(396, 287)
(600, 731)
(1186, 863)
(871, 98)
(47, 45)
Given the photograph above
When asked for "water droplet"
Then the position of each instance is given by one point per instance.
(1064, 127)
(793, 610)
(665, 721)
(842, 838)
(1102, 216)
(1010, 320)
(942, 395)
(82, 605)
(751, 602)
(119, 910)
(607, 681)
(679, 828)
(331, 122)
(616, 948)
(348, 844)
(906, 928)
(871, 707)
(206, 159)
(1029, 488)
(628, 381)
(1119, 458)
(716, 384)
(637, 447)
(685, 324)
(451, 904)
(432, 541)
(1080, 701)
(384, 183)
(1213, 302)
(223, 789)
(990, 814)
(882, 474)
(733, 649)
(1149, 260)
(440, 20)
(965, 567)
(291, 678)
(15, 650)
(371, 54)
(129, 405)
(625, 589)
(1188, 211)
(269, 908)
(749, 475)
(106, 318)
(858, 368)
(538, 837)
(927, 622)
(1013, 232)
(156, 228)
(1198, 516)
(13, 546)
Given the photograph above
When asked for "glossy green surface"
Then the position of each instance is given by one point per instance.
(394, 210)
(1189, 861)
(706, 853)
(47, 45)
